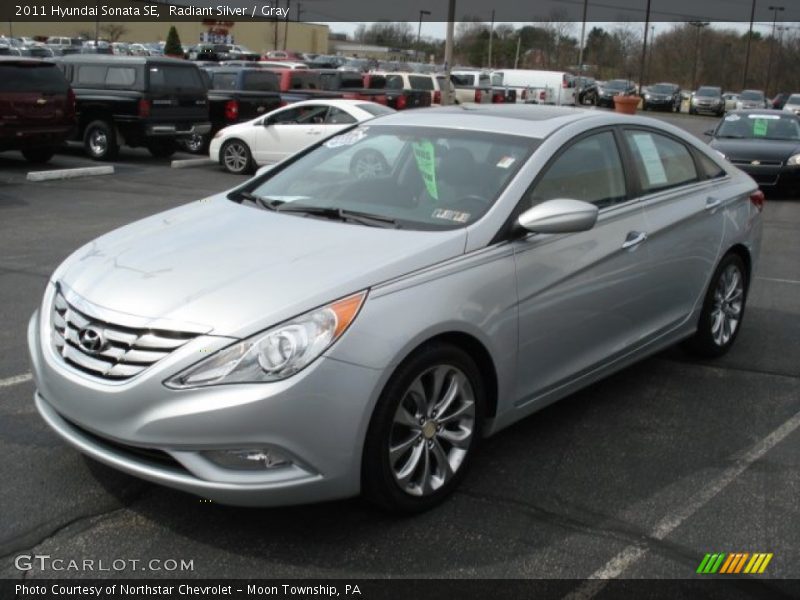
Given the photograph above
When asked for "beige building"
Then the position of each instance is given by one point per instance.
(259, 36)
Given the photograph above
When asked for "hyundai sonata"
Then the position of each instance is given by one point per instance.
(355, 319)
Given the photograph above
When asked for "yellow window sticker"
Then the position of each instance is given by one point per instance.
(425, 156)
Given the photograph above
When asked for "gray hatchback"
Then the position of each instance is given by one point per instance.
(356, 318)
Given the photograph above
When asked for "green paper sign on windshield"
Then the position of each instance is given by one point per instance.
(426, 163)
(759, 128)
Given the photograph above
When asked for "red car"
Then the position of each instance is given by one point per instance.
(37, 107)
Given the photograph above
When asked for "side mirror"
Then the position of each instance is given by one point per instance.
(709, 133)
(264, 169)
(559, 216)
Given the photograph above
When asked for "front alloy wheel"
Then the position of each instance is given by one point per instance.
(424, 430)
(236, 157)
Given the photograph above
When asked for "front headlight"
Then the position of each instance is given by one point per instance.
(794, 160)
(647, 96)
(277, 353)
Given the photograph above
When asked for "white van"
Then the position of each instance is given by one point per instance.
(538, 87)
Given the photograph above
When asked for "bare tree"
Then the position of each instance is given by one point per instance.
(113, 31)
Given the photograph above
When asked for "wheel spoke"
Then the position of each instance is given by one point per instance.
(425, 476)
(403, 417)
(466, 409)
(453, 389)
(445, 470)
(419, 396)
(459, 438)
(407, 471)
(395, 452)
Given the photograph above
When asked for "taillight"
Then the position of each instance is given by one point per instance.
(144, 108)
(70, 102)
(232, 110)
(498, 98)
(564, 83)
(542, 96)
(437, 97)
(478, 96)
(401, 102)
(524, 95)
(758, 199)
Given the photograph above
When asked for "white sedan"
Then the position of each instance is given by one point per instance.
(272, 137)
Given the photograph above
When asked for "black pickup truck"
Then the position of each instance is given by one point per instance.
(235, 94)
(351, 85)
(398, 99)
(137, 101)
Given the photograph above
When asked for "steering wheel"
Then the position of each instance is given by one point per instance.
(368, 164)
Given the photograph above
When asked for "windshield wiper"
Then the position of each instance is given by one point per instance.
(339, 214)
(268, 203)
(731, 137)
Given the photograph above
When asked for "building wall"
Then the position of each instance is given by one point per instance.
(259, 36)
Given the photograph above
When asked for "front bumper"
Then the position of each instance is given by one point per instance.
(709, 108)
(318, 418)
(770, 176)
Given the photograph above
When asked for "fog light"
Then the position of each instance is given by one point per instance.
(250, 459)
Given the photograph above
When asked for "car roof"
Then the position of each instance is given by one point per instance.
(340, 102)
(25, 60)
(509, 119)
(116, 59)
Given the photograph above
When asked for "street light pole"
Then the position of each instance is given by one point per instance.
(699, 26)
(419, 29)
(650, 57)
(491, 39)
(448, 46)
(644, 48)
(749, 39)
(583, 39)
(775, 10)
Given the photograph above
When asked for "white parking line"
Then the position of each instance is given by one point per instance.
(776, 280)
(9, 381)
(70, 173)
(627, 557)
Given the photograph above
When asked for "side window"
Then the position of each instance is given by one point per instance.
(337, 116)
(589, 170)
(121, 76)
(91, 74)
(660, 162)
(419, 82)
(301, 115)
(224, 81)
(708, 168)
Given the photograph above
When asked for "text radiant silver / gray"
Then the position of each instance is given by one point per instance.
(356, 318)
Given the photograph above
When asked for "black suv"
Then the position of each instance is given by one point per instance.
(37, 107)
(137, 101)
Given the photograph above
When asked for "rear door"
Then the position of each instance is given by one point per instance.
(177, 93)
(33, 95)
(683, 200)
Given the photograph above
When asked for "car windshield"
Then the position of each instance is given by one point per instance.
(261, 81)
(760, 126)
(793, 99)
(708, 91)
(180, 79)
(617, 84)
(662, 88)
(428, 179)
(751, 96)
(36, 77)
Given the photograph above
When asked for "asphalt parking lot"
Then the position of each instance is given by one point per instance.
(638, 476)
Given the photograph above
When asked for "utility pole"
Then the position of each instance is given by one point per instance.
(650, 57)
(749, 40)
(583, 39)
(300, 10)
(698, 25)
(519, 41)
(448, 46)
(775, 10)
(491, 39)
(644, 48)
(286, 25)
(419, 30)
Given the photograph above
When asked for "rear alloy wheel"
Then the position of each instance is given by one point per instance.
(161, 148)
(424, 430)
(38, 155)
(100, 141)
(196, 144)
(723, 310)
(236, 157)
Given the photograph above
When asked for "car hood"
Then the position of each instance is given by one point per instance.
(773, 150)
(232, 269)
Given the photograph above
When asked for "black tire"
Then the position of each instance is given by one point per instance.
(368, 164)
(38, 155)
(100, 140)
(236, 157)
(645, 106)
(703, 343)
(196, 144)
(379, 483)
(162, 148)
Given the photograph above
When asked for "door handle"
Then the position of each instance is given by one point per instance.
(712, 202)
(633, 239)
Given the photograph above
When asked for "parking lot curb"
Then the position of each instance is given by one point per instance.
(70, 173)
(191, 162)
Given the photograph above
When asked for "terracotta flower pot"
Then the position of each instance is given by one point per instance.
(626, 104)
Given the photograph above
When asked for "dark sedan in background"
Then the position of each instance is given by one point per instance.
(662, 96)
(614, 87)
(765, 144)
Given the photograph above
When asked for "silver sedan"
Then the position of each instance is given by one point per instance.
(355, 319)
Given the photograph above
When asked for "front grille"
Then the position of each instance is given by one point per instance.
(744, 162)
(121, 352)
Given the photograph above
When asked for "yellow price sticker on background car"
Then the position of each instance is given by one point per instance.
(425, 156)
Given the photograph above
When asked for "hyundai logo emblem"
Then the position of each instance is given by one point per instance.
(91, 339)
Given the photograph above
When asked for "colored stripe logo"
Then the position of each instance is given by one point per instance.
(734, 563)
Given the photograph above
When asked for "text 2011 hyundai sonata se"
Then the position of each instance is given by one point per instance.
(355, 319)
